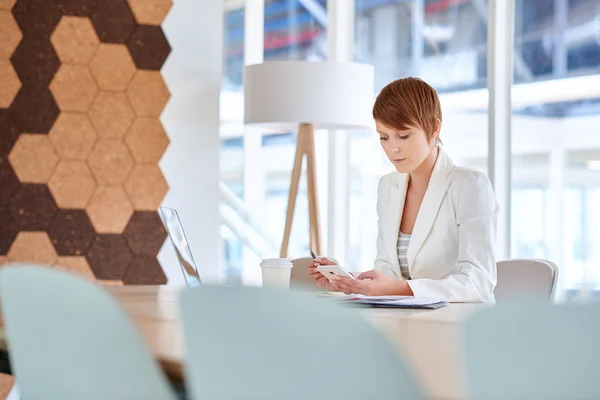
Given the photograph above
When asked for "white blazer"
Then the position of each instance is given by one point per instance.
(451, 249)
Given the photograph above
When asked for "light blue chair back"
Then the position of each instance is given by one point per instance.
(533, 351)
(253, 343)
(69, 339)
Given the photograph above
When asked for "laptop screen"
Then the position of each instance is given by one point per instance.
(182, 249)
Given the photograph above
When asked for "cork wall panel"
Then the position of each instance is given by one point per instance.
(110, 162)
(9, 133)
(112, 66)
(10, 34)
(81, 95)
(74, 88)
(72, 233)
(73, 136)
(109, 209)
(33, 158)
(114, 21)
(72, 184)
(148, 93)
(145, 233)
(149, 47)
(147, 140)
(35, 61)
(34, 109)
(150, 12)
(33, 207)
(111, 114)
(75, 40)
(33, 247)
(9, 83)
(8, 230)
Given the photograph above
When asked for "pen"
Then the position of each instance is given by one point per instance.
(312, 253)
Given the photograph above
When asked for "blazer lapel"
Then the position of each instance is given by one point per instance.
(392, 225)
(438, 185)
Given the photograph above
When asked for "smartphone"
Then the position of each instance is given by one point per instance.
(330, 270)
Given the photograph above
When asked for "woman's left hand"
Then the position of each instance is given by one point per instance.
(372, 283)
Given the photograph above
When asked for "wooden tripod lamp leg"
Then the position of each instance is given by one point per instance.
(313, 201)
(304, 145)
(295, 180)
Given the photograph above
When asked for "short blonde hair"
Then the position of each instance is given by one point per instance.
(409, 102)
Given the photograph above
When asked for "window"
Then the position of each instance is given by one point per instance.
(555, 156)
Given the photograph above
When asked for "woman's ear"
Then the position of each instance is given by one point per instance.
(437, 128)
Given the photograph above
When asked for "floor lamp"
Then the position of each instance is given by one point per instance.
(302, 95)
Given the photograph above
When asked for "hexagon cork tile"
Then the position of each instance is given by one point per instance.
(72, 184)
(144, 270)
(109, 209)
(33, 247)
(113, 20)
(109, 257)
(79, 8)
(77, 265)
(36, 17)
(8, 182)
(10, 34)
(9, 83)
(110, 162)
(33, 158)
(74, 88)
(145, 233)
(35, 61)
(33, 208)
(8, 230)
(149, 47)
(8, 133)
(34, 109)
(112, 66)
(72, 233)
(111, 114)
(148, 93)
(146, 187)
(7, 4)
(73, 136)
(150, 12)
(147, 140)
(75, 40)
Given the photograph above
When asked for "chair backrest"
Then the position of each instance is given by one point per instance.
(69, 339)
(253, 343)
(533, 351)
(300, 278)
(525, 278)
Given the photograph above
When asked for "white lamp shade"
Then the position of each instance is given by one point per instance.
(283, 94)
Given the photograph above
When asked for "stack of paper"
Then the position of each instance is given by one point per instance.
(392, 301)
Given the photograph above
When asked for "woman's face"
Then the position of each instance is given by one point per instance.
(406, 149)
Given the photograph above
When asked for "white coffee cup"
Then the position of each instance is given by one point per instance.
(276, 272)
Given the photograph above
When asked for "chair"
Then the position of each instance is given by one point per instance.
(525, 278)
(253, 343)
(533, 351)
(69, 339)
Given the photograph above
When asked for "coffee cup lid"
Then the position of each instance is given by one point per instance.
(276, 263)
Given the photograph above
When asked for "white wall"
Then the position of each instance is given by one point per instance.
(191, 164)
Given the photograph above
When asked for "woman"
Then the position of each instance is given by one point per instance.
(436, 220)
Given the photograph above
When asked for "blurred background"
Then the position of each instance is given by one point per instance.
(555, 154)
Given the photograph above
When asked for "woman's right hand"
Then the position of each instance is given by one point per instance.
(318, 277)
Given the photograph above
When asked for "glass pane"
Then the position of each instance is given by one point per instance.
(232, 129)
(555, 155)
(443, 43)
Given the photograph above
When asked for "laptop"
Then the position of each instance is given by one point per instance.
(174, 228)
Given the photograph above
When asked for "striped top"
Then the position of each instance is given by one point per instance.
(403, 241)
